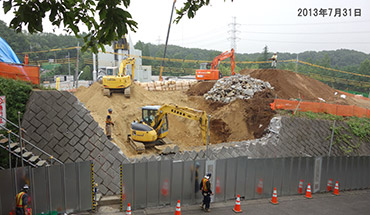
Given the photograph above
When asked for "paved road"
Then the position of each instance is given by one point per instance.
(353, 202)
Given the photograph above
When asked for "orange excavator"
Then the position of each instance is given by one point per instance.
(209, 71)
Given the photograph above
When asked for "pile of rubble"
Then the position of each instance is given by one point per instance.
(235, 87)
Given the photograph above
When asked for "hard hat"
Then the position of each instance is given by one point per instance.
(209, 174)
(110, 110)
(197, 164)
(25, 187)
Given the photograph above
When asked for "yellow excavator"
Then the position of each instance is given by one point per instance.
(120, 82)
(152, 129)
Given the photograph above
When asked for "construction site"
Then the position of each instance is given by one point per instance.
(133, 136)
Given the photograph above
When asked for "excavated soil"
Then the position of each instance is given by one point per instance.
(236, 121)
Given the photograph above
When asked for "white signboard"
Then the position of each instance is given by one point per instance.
(2, 110)
(317, 174)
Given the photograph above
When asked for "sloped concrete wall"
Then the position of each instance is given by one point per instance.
(60, 125)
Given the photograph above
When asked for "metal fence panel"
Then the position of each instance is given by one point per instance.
(241, 175)
(309, 171)
(56, 187)
(347, 171)
(286, 172)
(341, 173)
(268, 177)
(128, 183)
(294, 176)
(165, 181)
(324, 174)
(40, 190)
(85, 185)
(71, 187)
(191, 181)
(351, 181)
(202, 169)
(153, 183)
(220, 187)
(259, 180)
(7, 189)
(357, 173)
(230, 178)
(361, 173)
(140, 185)
(278, 174)
(250, 179)
(176, 181)
(367, 172)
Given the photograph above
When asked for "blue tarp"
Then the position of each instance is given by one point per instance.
(7, 54)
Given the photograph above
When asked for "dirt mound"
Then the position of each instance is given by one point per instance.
(200, 88)
(291, 85)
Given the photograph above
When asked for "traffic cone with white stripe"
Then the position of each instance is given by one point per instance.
(128, 211)
(237, 208)
(336, 189)
(178, 208)
(329, 186)
(259, 189)
(300, 187)
(274, 197)
(308, 192)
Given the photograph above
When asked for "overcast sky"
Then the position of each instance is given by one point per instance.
(259, 23)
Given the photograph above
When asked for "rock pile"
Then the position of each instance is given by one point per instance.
(235, 87)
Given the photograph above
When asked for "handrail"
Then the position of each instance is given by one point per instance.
(33, 165)
(50, 156)
(12, 123)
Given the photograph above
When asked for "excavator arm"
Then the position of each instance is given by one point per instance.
(184, 112)
(123, 69)
(228, 54)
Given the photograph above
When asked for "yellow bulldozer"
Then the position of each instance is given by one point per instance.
(152, 129)
(121, 82)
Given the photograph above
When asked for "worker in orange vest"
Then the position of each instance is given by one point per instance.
(205, 187)
(22, 201)
(108, 124)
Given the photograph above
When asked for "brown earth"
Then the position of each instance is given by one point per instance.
(237, 121)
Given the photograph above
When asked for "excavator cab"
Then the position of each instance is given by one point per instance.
(148, 116)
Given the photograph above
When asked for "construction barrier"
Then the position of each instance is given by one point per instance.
(21, 72)
(316, 107)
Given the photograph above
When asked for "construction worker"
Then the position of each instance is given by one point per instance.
(21, 202)
(108, 124)
(205, 187)
(274, 60)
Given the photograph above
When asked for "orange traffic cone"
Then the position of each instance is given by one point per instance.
(308, 191)
(329, 187)
(165, 187)
(128, 211)
(218, 186)
(178, 208)
(237, 208)
(260, 186)
(300, 187)
(336, 189)
(274, 197)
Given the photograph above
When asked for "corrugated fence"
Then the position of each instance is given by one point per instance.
(156, 183)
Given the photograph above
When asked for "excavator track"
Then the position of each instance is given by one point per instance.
(127, 92)
(106, 92)
(137, 146)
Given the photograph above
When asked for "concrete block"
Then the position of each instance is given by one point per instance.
(79, 159)
(106, 166)
(51, 114)
(98, 179)
(55, 106)
(83, 126)
(84, 140)
(47, 122)
(64, 156)
(78, 119)
(110, 158)
(78, 133)
(107, 180)
(88, 118)
(35, 122)
(35, 137)
(71, 99)
(61, 114)
(93, 139)
(78, 106)
(88, 146)
(85, 154)
(103, 189)
(82, 113)
(109, 193)
(110, 145)
(61, 101)
(35, 108)
(67, 120)
(95, 153)
(79, 147)
(113, 187)
(93, 125)
(69, 149)
(58, 150)
(72, 127)
(57, 121)
(72, 113)
(58, 135)
(89, 133)
(74, 155)
(63, 128)
(97, 166)
(69, 134)
(73, 141)
(25, 124)
(113, 172)
(28, 115)
(40, 115)
(31, 129)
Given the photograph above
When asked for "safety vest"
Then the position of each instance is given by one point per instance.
(19, 199)
(204, 187)
(109, 119)
(274, 56)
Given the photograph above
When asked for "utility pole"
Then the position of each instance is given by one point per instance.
(69, 65)
(76, 72)
(296, 65)
(159, 40)
(233, 38)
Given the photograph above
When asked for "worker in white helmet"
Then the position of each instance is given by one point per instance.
(274, 60)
